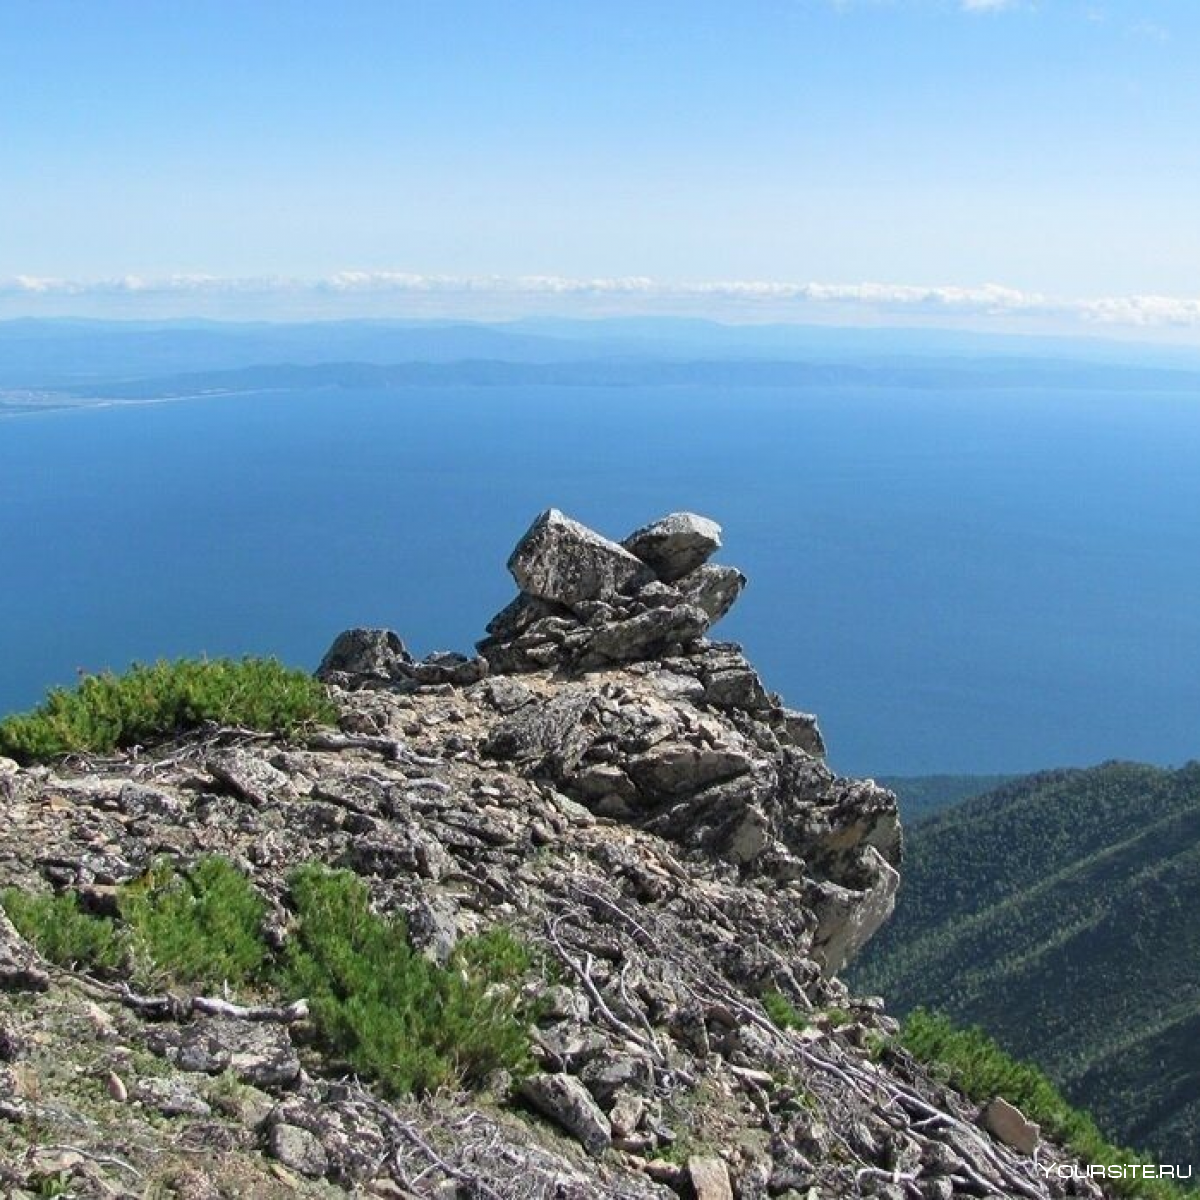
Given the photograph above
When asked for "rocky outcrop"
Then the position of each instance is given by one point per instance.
(587, 602)
(646, 720)
(604, 780)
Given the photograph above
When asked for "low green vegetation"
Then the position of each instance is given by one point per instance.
(106, 712)
(195, 927)
(1059, 914)
(389, 1011)
(202, 926)
(976, 1065)
(782, 1011)
(383, 1009)
(787, 1016)
(63, 933)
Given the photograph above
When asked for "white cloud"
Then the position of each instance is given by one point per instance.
(489, 294)
(986, 5)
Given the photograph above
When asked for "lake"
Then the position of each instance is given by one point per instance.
(995, 582)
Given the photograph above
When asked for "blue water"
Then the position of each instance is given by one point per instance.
(994, 582)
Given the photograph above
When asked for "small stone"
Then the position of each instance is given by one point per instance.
(558, 1002)
(170, 1097)
(709, 1178)
(505, 695)
(607, 1076)
(8, 766)
(11, 1043)
(298, 1150)
(676, 544)
(626, 1114)
(19, 971)
(750, 837)
(116, 1087)
(566, 1102)
(1007, 1124)
(433, 929)
(662, 1170)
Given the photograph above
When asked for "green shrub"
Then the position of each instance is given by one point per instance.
(387, 1010)
(384, 1009)
(62, 933)
(976, 1065)
(148, 703)
(202, 926)
(782, 1011)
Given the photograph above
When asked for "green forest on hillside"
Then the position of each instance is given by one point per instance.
(1060, 912)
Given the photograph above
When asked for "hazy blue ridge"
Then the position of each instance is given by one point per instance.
(625, 372)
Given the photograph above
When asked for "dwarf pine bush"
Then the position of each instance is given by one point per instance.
(106, 712)
(62, 932)
(388, 1011)
(202, 926)
(379, 1006)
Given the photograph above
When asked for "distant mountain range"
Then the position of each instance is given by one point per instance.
(1060, 912)
(927, 376)
(62, 353)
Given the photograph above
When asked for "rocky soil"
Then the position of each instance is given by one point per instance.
(620, 791)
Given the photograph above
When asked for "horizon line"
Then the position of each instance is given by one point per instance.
(511, 297)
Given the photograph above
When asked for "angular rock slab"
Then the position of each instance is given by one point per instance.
(709, 1178)
(1008, 1124)
(566, 1102)
(649, 634)
(675, 545)
(250, 777)
(565, 562)
(712, 588)
(847, 918)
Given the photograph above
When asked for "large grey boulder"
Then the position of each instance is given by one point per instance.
(676, 544)
(370, 653)
(565, 562)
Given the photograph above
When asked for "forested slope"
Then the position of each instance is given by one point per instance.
(1062, 913)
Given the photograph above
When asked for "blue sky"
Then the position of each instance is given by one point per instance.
(1030, 164)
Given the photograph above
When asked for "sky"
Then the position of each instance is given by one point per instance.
(1010, 164)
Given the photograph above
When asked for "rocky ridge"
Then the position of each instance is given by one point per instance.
(602, 779)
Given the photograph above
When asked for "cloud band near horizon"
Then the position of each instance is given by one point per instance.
(634, 295)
